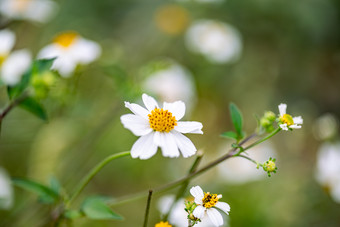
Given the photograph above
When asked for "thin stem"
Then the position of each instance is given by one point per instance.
(93, 172)
(248, 158)
(263, 139)
(146, 217)
(11, 106)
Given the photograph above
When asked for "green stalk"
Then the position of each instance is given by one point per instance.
(93, 172)
(146, 217)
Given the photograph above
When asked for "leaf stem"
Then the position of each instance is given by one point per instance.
(146, 217)
(93, 172)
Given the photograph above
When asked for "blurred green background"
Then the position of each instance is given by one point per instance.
(291, 54)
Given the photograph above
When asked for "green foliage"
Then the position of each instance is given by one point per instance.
(33, 106)
(46, 194)
(73, 214)
(237, 120)
(230, 134)
(96, 208)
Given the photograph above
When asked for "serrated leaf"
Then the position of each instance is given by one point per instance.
(95, 208)
(231, 135)
(46, 195)
(236, 118)
(34, 107)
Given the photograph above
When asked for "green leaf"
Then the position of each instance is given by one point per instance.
(34, 107)
(73, 214)
(42, 65)
(55, 184)
(231, 135)
(236, 118)
(95, 208)
(46, 195)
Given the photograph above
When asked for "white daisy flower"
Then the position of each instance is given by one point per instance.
(217, 41)
(328, 169)
(160, 127)
(33, 10)
(71, 50)
(287, 121)
(206, 205)
(12, 64)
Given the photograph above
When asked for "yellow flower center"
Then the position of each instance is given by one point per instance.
(163, 224)
(66, 39)
(270, 166)
(287, 119)
(162, 120)
(2, 59)
(210, 200)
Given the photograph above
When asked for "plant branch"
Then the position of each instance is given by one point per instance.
(146, 217)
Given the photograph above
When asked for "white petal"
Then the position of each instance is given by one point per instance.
(50, 51)
(298, 120)
(7, 41)
(176, 108)
(40, 10)
(199, 212)
(15, 66)
(189, 127)
(215, 217)
(136, 124)
(284, 127)
(198, 193)
(144, 147)
(84, 51)
(223, 206)
(184, 144)
(149, 102)
(282, 109)
(168, 145)
(295, 126)
(137, 109)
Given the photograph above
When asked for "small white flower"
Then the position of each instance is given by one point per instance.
(12, 64)
(6, 190)
(206, 205)
(328, 168)
(217, 41)
(34, 10)
(287, 121)
(71, 50)
(160, 127)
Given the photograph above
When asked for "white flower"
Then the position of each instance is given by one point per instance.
(6, 190)
(71, 50)
(160, 127)
(328, 168)
(178, 216)
(172, 83)
(217, 41)
(239, 170)
(287, 121)
(12, 64)
(206, 205)
(326, 126)
(34, 10)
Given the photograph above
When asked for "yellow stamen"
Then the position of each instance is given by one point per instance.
(287, 119)
(2, 59)
(163, 224)
(66, 39)
(270, 166)
(210, 200)
(162, 120)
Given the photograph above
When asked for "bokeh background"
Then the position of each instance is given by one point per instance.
(286, 52)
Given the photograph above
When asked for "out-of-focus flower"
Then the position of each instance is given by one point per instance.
(206, 205)
(239, 170)
(34, 10)
(6, 190)
(178, 216)
(326, 127)
(12, 64)
(172, 19)
(172, 82)
(71, 50)
(217, 41)
(286, 121)
(328, 169)
(163, 224)
(160, 127)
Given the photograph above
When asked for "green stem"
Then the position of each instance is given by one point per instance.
(263, 139)
(93, 172)
(146, 217)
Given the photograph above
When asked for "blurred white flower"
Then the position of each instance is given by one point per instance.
(71, 50)
(217, 41)
(160, 127)
(178, 216)
(172, 83)
(328, 168)
(287, 121)
(206, 205)
(12, 64)
(34, 10)
(326, 126)
(6, 190)
(239, 170)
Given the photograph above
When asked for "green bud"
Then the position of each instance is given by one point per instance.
(270, 116)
